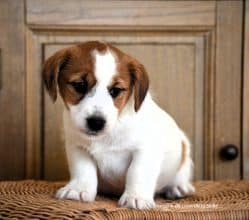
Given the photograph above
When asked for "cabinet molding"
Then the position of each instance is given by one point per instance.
(12, 87)
(72, 14)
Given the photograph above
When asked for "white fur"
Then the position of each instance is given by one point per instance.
(138, 154)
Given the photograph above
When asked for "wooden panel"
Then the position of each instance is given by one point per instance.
(228, 85)
(246, 96)
(192, 51)
(55, 163)
(177, 76)
(34, 152)
(178, 45)
(12, 119)
(126, 13)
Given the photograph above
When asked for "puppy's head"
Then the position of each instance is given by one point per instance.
(95, 80)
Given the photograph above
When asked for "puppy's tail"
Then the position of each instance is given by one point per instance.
(186, 145)
(186, 162)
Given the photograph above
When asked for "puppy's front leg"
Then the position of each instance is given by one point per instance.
(83, 182)
(141, 181)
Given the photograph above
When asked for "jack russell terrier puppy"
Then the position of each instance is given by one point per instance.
(117, 139)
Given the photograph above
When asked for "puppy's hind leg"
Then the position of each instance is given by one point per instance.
(181, 185)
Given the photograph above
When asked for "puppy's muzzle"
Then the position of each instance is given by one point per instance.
(95, 123)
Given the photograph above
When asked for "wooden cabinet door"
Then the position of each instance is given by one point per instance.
(191, 49)
(12, 95)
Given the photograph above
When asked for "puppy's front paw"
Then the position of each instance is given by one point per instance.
(76, 191)
(136, 202)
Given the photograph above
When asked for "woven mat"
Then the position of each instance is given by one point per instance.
(34, 200)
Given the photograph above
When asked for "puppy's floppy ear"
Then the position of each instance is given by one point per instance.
(51, 70)
(140, 81)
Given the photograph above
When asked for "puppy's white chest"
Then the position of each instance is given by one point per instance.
(112, 169)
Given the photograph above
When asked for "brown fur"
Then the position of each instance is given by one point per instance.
(121, 81)
(184, 155)
(76, 63)
(135, 76)
(68, 65)
(141, 82)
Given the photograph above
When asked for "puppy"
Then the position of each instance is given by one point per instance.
(117, 139)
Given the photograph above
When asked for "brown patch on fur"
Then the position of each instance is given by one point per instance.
(121, 81)
(76, 64)
(51, 69)
(71, 64)
(133, 75)
(184, 155)
(140, 80)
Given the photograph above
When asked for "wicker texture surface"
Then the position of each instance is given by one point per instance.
(35, 200)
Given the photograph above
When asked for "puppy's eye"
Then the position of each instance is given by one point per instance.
(80, 87)
(115, 91)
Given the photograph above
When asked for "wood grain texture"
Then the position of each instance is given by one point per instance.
(127, 13)
(209, 104)
(1, 66)
(34, 155)
(55, 164)
(246, 96)
(228, 86)
(12, 99)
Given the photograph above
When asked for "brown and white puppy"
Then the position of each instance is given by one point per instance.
(118, 140)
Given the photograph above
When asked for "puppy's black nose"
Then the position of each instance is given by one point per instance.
(95, 123)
